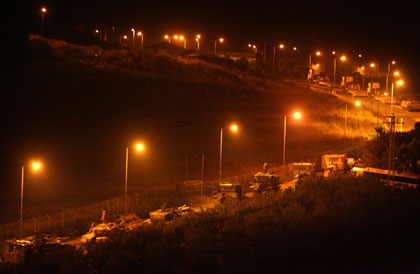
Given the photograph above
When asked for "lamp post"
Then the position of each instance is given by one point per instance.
(387, 74)
(318, 53)
(139, 147)
(345, 131)
(233, 128)
(141, 35)
(197, 39)
(134, 36)
(35, 166)
(297, 116)
(221, 40)
(281, 46)
(43, 12)
(182, 38)
(400, 83)
(123, 37)
(342, 58)
(168, 37)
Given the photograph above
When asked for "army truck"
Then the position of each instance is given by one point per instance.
(265, 180)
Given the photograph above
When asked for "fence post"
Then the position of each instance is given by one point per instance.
(35, 225)
(62, 220)
(49, 222)
(87, 215)
(7, 231)
(137, 199)
(128, 203)
(74, 218)
(118, 206)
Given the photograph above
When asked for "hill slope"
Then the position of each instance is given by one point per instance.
(77, 107)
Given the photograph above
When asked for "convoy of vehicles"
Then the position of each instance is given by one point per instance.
(399, 180)
(411, 105)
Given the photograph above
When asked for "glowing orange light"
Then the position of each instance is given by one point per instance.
(249, 45)
(181, 37)
(234, 127)
(221, 40)
(36, 165)
(357, 103)
(166, 36)
(281, 46)
(140, 147)
(372, 65)
(343, 58)
(97, 31)
(198, 36)
(400, 83)
(125, 37)
(396, 73)
(297, 115)
(294, 48)
(175, 36)
(43, 10)
(318, 53)
(139, 33)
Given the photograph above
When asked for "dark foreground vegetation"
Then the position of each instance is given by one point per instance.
(338, 225)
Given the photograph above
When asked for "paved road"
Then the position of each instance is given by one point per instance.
(376, 107)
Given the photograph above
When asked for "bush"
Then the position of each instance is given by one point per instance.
(339, 224)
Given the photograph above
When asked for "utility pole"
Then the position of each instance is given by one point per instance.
(186, 168)
(265, 57)
(274, 59)
(202, 167)
(391, 150)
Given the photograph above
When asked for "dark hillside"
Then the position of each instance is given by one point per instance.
(77, 107)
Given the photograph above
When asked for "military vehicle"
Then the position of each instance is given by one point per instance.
(265, 180)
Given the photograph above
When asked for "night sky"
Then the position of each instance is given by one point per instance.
(374, 26)
(378, 30)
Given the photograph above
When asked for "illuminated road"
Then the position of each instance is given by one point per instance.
(384, 110)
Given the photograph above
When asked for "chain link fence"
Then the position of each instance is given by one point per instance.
(79, 219)
(76, 220)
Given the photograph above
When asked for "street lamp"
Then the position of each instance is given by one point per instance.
(281, 46)
(167, 37)
(357, 104)
(35, 166)
(141, 35)
(233, 128)
(197, 38)
(400, 83)
(387, 74)
(182, 38)
(221, 40)
(297, 116)
(43, 12)
(134, 36)
(123, 37)
(139, 147)
(342, 58)
(317, 53)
